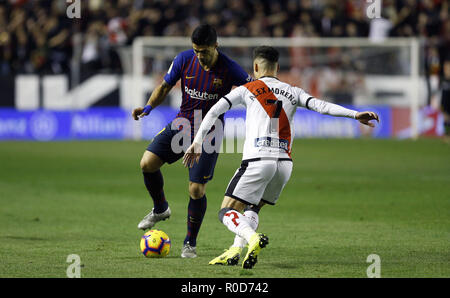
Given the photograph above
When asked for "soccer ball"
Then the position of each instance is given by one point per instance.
(155, 244)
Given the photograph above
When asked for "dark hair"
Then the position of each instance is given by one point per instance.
(268, 53)
(204, 35)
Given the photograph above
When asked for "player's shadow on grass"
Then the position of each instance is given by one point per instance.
(285, 265)
(23, 238)
(156, 258)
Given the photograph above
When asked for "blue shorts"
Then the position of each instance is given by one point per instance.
(201, 172)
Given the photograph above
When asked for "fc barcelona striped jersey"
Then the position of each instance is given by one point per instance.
(201, 89)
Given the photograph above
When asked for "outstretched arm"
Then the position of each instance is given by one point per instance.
(332, 109)
(157, 97)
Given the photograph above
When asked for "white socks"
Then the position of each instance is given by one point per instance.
(243, 225)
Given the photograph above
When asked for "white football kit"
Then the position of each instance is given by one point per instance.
(266, 162)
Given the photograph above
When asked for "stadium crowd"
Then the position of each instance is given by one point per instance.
(37, 36)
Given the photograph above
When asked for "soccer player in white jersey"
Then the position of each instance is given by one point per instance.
(266, 162)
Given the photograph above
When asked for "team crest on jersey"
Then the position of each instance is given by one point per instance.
(217, 83)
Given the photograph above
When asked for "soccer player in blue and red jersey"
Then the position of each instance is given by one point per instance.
(206, 75)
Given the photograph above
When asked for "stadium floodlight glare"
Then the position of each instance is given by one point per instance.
(392, 64)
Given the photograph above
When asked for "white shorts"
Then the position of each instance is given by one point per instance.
(259, 180)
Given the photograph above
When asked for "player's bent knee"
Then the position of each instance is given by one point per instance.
(196, 190)
(143, 164)
(147, 167)
(150, 162)
(253, 208)
(223, 211)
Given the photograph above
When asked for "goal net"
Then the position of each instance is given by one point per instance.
(383, 76)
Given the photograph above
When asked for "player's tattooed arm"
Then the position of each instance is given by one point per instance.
(159, 94)
(157, 97)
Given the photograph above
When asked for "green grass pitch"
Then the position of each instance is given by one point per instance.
(346, 199)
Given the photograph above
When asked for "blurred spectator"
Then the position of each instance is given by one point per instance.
(445, 96)
(379, 28)
(36, 36)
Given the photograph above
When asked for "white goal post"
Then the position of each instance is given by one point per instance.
(168, 47)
